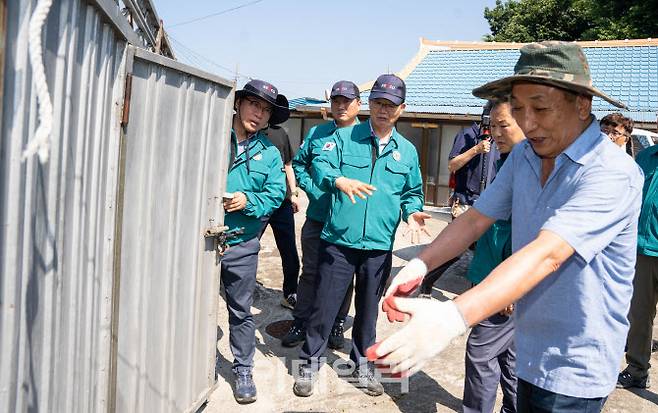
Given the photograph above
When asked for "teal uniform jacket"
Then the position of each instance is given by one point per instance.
(493, 247)
(319, 201)
(264, 184)
(369, 224)
(647, 233)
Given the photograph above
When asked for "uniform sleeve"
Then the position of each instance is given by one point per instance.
(260, 204)
(458, 144)
(602, 205)
(301, 163)
(412, 198)
(496, 200)
(325, 167)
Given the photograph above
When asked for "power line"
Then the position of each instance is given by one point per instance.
(197, 59)
(208, 16)
(199, 56)
(189, 58)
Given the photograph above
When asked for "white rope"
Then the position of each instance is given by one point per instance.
(40, 143)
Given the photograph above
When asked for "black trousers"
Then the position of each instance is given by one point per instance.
(282, 222)
(434, 275)
(533, 399)
(306, 288)
(338, 264)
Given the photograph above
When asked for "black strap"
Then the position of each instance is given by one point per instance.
(232, 155)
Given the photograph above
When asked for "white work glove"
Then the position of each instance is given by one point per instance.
(433, 325)
(404, 283)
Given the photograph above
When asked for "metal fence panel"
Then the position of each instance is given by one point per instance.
(57, 219)
(175, 146)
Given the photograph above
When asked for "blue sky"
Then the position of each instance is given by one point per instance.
(302, 47)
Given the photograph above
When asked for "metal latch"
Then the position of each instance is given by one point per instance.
(222, 234)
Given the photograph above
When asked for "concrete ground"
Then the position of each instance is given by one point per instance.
(438, 388)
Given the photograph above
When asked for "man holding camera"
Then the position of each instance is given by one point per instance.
(473, 161)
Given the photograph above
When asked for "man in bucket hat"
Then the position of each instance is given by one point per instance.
(256, 186)
(574, 201)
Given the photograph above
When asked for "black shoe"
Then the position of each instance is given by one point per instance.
(289, 301)
(365, 381)
(245, 388)
(294, 336)
(305, 381)
(336, 339)
(425, 291)
(626, 380)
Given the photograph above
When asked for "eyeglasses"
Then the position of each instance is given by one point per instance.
(260, 106)
(379, 105)
(614, 134)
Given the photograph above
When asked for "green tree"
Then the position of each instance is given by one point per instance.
(615, 19)
(536, 20)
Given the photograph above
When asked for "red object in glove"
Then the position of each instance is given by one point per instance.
(371, 354)
(392, 313)
(402, 290)
(407, 288)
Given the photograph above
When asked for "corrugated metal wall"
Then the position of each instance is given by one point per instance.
(174, 181)
(108, 289)
(57, 219)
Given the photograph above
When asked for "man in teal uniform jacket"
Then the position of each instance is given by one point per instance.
(345, 105)
(645, 282)
(373, 162)
(256, 186)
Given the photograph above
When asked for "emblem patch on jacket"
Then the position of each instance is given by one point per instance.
(329, 146)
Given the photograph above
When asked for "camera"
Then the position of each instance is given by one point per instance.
(485, 122)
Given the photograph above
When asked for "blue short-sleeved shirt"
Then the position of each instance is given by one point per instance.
(571, 328)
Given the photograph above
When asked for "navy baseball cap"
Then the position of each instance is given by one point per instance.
(346, 89)
(389, 87)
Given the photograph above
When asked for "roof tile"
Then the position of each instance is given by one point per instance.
(443, 80)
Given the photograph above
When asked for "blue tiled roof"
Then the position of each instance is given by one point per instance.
(294, 103)
(443, 80)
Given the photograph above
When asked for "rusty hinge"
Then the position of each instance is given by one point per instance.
(126, 100)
